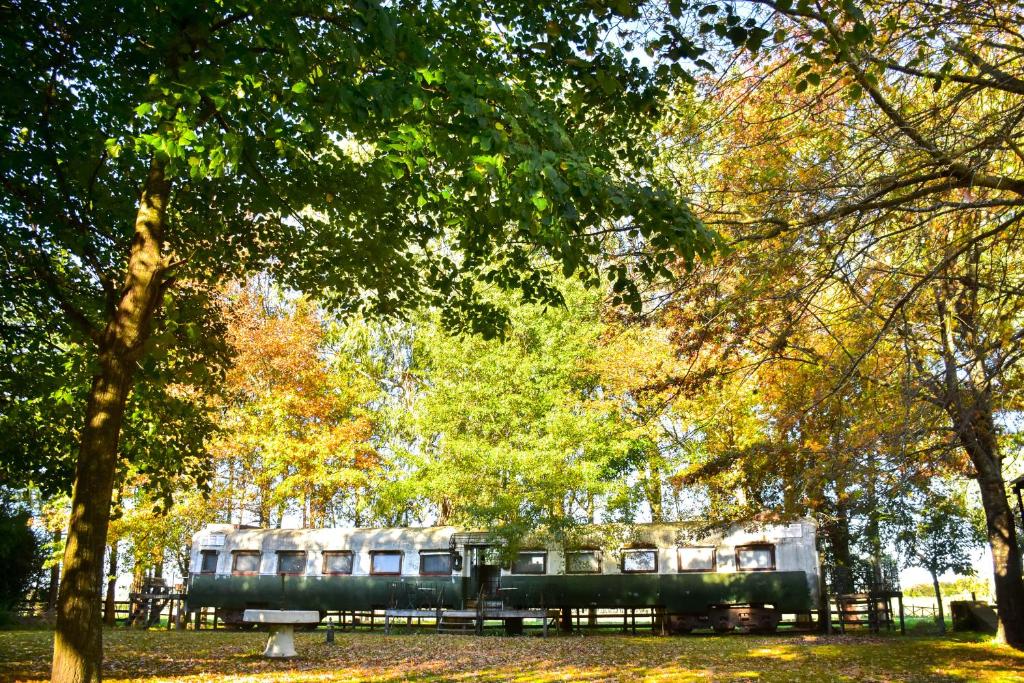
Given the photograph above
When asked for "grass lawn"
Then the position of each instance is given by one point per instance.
(230, 656)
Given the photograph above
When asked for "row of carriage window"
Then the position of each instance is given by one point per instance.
(754, 557)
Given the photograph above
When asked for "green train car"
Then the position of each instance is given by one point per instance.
(743, 577)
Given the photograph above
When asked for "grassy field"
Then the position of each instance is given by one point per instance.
(225, 656)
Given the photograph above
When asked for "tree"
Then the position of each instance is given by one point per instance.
(509, 435)
(941, 539)
(19, 552)
(916, 209)
(383, 157)
(297, 424)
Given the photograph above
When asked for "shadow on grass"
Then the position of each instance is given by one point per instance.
(199, 656)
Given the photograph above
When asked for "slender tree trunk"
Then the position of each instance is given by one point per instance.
(264, 510)
(77, 649)
(654, 494)
(938, 600)
(153, 617)
(446, 511)
(51, 593)
(109, 605)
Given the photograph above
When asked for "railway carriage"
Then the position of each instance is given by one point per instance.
(741, 578)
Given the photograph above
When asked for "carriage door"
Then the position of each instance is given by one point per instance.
(484, 573)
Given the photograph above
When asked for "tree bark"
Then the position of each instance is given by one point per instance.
(77, 649)
(1006, 560)
(967, 398)
(837, 534)
(938, 599)
(654, 494)
(976, 431)
(51, 592)
(109, 605)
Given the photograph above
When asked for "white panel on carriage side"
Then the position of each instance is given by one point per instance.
(556, 561)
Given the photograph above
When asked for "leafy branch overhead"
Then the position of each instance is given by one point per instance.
(380, 156)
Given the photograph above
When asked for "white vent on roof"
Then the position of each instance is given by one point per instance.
(215, 538)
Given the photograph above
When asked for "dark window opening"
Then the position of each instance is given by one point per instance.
(530, 562)
(208, 563)
(436, 563)
(583, 562)
(246, 562)
(639, 561)
(291, 562)
(338, 562)
(755, 558)
(386, 562)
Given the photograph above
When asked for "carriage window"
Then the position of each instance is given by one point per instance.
(755, 558)
(386, 562)
(291, 562)
(697, 559)
(583, 562)
(246, 562)
(530, 562)
(337, 562)
(638, 561)
(208, 563)
(435, 562)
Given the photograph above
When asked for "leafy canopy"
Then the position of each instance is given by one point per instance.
(379, 157)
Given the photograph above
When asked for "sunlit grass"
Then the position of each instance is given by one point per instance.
(189, 656)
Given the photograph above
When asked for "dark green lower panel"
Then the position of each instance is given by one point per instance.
(679, 593)
(323, 592)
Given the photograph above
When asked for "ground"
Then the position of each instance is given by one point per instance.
(181, 656)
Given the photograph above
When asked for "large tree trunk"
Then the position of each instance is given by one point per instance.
(976, 430)
(967, 397)
(837, 535)
(1006, 560)
(77, 649)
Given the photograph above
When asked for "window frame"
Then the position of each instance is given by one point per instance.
(327, 554)
(442, 552)
(579, 551)
(530, 551)
(401, 562)
(305, 562)
(770, 547)
(235, 554)
(644, 549)
(714, 559)
(203, 554)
